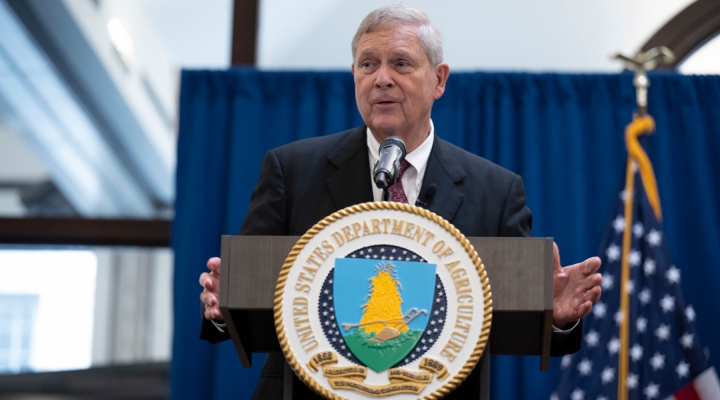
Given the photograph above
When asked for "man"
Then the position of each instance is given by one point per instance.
(399, 73)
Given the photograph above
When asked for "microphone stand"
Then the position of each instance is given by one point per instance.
(386, 194)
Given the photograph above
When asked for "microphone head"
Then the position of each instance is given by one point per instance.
(431, 190)
(382, 179)
(394, 140)
(392, 152)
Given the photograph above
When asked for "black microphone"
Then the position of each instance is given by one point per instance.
(392, 152)
(429, 193)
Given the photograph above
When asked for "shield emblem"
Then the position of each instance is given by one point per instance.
(382, 307)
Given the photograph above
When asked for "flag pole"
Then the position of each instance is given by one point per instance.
(625, 277)
(637, 159)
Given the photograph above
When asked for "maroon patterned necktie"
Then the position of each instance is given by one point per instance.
(396, 190)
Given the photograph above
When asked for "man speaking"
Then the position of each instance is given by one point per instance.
(399, 73)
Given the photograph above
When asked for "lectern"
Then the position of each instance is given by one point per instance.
(520, 272)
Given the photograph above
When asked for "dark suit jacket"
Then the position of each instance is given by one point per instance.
(305, 181)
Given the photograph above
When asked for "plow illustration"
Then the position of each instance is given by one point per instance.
(391, 328)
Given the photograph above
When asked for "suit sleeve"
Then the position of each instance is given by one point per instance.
(266, 216)
(517, 221)
(516, 218)
(210, 332)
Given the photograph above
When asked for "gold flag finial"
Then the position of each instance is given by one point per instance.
(640, 64)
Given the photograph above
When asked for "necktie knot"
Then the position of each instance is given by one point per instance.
(396, 190)
(403, 166)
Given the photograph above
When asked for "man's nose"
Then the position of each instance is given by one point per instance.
(384, 79)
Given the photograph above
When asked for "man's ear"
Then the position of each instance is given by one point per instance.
(442, 71)
(352, 68)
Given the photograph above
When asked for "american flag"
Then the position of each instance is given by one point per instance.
(666, 359)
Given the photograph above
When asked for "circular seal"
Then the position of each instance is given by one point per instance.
(383, 299)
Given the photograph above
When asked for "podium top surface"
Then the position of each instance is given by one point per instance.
(519, 270)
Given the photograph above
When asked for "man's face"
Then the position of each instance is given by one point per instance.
(395, 85)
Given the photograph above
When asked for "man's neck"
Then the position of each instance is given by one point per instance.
(413, 138)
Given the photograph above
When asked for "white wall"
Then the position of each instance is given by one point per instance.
(167, 35)
(706, 60)
(133, 306)
(151, 61)
(193, 33)
(18, 164)
(526, 35)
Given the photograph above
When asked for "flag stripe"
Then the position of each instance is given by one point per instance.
(687, 393)
(707, 385)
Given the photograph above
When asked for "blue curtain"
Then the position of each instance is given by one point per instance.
(563, 133)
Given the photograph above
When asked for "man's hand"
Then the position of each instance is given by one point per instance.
(210, 295)
(576, 289)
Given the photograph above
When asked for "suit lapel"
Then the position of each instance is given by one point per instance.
(350, 183)
(444, 171)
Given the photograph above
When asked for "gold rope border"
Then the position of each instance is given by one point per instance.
(373, 206)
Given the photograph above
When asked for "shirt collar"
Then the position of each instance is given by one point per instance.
(418, 158)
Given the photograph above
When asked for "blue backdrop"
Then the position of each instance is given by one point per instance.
(563, 133)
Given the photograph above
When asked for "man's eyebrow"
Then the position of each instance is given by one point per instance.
(400, 52)
(367, 52)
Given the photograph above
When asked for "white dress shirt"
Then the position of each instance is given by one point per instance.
(412, 179)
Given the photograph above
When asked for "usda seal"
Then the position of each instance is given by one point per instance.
(383, 300)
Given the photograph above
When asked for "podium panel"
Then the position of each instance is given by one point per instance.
(520, 272)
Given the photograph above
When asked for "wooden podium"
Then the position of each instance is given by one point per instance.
(520, 272)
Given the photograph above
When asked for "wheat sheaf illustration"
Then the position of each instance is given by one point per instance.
(385, 303)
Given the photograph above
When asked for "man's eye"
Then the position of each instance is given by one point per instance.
(402, 64)
(367, 64)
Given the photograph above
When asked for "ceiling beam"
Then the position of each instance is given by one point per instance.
(245, 32)
(85, 232)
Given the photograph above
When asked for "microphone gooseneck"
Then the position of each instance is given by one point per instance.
(385, 172)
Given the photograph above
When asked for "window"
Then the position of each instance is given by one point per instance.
(17, 317)
(47, 298)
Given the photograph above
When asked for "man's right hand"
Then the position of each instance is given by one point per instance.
(210, 281)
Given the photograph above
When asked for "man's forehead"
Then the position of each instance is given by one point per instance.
(401, 39)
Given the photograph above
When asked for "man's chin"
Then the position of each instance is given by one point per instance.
(386, 128)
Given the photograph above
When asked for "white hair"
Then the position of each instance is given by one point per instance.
(403, 14)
